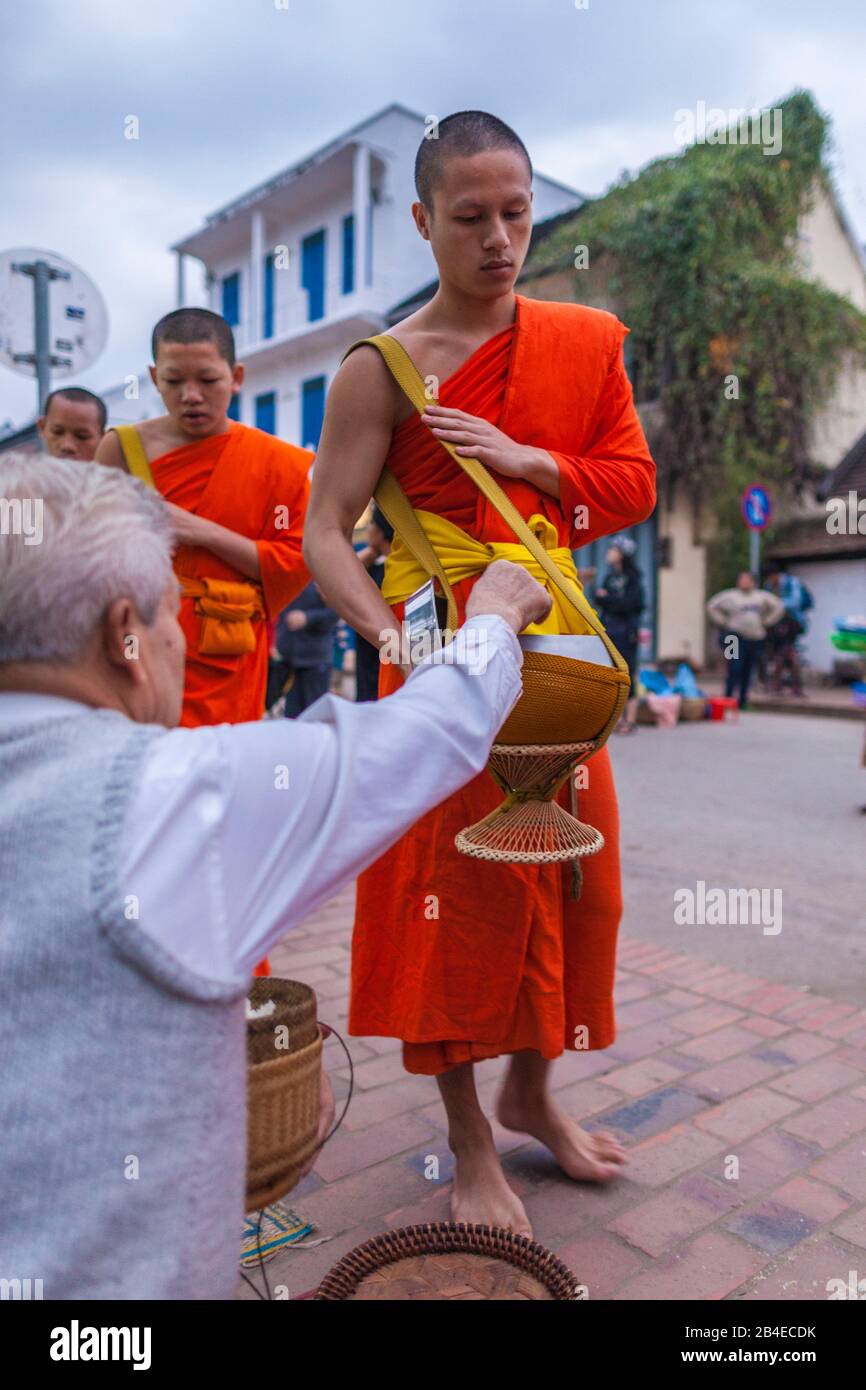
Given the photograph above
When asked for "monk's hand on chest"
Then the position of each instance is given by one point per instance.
(476, 438)
(188, 528)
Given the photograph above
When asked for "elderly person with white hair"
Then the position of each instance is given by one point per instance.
(146, 869)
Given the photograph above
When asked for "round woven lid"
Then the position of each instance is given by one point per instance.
(449, 1261)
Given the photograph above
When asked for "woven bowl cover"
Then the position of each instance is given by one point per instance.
(563, 701)
(294, 1014)
(449, 1261)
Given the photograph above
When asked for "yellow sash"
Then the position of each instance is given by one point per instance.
(461, 556)
(227, 608)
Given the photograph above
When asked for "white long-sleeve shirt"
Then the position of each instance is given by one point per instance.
(237, 832)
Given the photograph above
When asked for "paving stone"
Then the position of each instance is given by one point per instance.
(763, 1161)
(640, 1077)
(814, 1199)
(816, 1080)
(641, 1011)
(771, 1227)
(662, 1221)
(719, 1194)
(667, 1155)
(653, 1113)
(712, 1266)
(845, 1169)
(746, 1114)
(706, 1018)
(830, 1122)
(682, 999)
(853, 1227)
(728, 1078)
(351, 1151)
(794, 1049)
(370, 1107)
(600, 1261)
(766, 1027)
(632, 989)
(361, 1197)
(642, 1042)
(803, 1274)
(719, 1045)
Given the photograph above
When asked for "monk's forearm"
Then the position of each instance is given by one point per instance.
(346, 584)
(238, 551)
(542, 470)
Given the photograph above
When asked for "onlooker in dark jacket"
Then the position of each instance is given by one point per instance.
(620, 602)
(379, 538)
(304, 640)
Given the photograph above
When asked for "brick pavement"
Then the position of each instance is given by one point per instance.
(742, 1102)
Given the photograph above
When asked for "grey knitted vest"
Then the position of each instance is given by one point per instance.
(122, 1073)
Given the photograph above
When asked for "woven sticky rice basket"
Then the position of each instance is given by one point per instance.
(450, 1261)
(284, 1065)
(693, 707)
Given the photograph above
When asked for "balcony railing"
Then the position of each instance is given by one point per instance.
(291, 308)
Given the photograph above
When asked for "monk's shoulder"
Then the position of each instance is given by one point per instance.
(273, 456)
(596, 327)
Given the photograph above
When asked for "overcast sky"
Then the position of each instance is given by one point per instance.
(228, 92)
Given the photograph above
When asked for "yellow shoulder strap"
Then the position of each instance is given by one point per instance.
(401, 514)
(408, 377)
(133, 454)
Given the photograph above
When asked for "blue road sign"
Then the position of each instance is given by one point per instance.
(757, 508)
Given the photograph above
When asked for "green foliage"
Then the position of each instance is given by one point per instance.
(699, 254)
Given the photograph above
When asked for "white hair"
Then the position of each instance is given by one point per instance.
(73, 538)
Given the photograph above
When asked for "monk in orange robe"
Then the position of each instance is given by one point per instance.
(237, 498)
(508, 961)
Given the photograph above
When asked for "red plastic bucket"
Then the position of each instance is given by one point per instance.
(724, 707)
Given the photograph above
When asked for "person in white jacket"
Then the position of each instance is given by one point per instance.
(146, 868)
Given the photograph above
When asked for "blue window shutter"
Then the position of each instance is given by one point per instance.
(312, 411)
(266, 412)
(268, 306)
(231, 298)
(349, 253)
(234, 410)
(368, 269)
(313, 273)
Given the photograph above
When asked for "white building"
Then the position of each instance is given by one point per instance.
(315, 258)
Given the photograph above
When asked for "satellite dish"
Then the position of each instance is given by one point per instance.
(76, 317)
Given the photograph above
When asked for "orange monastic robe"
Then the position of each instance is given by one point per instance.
(256, 485)
(461, 958)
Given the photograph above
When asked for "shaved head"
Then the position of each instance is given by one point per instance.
(195, 326)
(79, 396)
(465, 133)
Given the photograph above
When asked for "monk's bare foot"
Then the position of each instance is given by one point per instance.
(480, 1193)
(583, 1156)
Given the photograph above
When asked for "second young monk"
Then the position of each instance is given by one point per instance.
(237, 498)
(505, 961)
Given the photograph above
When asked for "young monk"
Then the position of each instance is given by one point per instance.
(508, 962)
(73, 423)
(237, 497)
